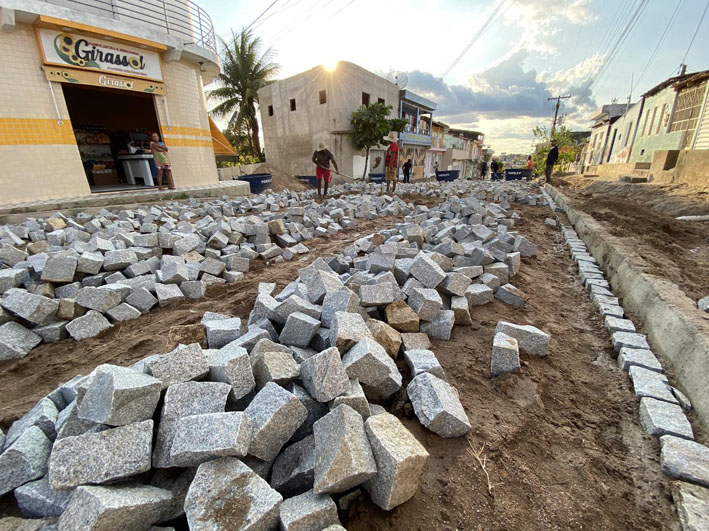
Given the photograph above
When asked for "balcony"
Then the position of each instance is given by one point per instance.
(415, 135)
(180, 18)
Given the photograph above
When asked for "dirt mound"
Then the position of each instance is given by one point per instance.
(281, 180)
(665, 199)
(643, 215)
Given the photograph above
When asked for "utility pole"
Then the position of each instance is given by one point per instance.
(556, 110)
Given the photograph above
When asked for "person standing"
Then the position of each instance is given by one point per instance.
(530, 163)
(552, 157)
(483, 170)
(494, 166)
(322, 158)
(407, 170)
(435, 169)
(391, 160)
(162, 161)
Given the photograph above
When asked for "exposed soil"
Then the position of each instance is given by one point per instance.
(562, 443)
(26, 380)
(281, 180)
(643, 215)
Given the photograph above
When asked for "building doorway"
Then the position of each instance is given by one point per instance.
(112, 129)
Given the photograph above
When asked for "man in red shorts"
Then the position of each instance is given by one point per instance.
(391, 163)
(322, 158)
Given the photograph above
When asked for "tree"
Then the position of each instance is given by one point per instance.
(244, 71)
(569, 150)
(370, 125)
(241, 141)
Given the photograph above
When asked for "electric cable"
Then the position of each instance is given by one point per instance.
(695, 33)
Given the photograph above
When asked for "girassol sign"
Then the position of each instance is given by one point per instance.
(66, 49)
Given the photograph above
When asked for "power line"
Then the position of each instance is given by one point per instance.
(281, 9)
(262, 14)
(340, 10)
(618, 44)
(658, 45)
(475, 38)
(695, 33)
(556, 110)
(295, 24)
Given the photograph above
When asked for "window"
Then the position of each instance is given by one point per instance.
(270, 110)
(323, 97)
(659, 121)
(652, 121)
(365, 99)
(292, 104)
(381, 100)
(647, 115)
(627, 133)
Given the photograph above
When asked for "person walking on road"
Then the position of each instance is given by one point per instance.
(407, 170)
(494, 166)
(391, 161)
(552, 157)
(322, 158)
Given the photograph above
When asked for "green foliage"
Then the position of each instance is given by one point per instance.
(370, 125)
(244, 71)
(241, 141)
(569, 150)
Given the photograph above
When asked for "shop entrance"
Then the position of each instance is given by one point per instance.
(112, 129)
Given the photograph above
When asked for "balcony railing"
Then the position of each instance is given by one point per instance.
(408, 128)
(182, 18)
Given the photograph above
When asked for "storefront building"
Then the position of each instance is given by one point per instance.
(83, 85)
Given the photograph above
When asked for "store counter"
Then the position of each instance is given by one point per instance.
(138, 165)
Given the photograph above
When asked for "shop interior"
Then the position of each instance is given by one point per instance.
(112, 129)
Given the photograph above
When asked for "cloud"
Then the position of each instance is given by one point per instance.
(506, 101)
(502, 91)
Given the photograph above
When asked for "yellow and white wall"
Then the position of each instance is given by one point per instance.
(39, 158)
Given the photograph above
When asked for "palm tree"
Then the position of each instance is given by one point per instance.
(244, 71)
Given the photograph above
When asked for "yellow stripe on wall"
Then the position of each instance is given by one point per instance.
(179, 130)
(188, 142)
(35, 131)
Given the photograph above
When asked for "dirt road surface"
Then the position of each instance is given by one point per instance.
(643, 215)
(560, 439)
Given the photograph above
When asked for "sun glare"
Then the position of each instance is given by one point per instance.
(330, 65)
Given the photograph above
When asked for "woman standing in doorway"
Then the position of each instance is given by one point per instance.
(162, 161)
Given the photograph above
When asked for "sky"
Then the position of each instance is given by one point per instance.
(531, 50)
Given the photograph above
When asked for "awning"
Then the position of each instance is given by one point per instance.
(219, 141)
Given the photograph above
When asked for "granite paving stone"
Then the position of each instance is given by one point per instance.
(437, 406)
(101, 457)
(343, 454)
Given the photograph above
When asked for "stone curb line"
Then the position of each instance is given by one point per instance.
(661, 405)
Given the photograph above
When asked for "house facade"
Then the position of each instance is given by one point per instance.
(300, 111)
(667, 130)
(464, 150)
(601, 141)
(81, 81)
(416, 138)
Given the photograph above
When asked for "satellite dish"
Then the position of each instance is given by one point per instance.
(400, 79)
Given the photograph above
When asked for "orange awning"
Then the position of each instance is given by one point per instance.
(219, 141)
